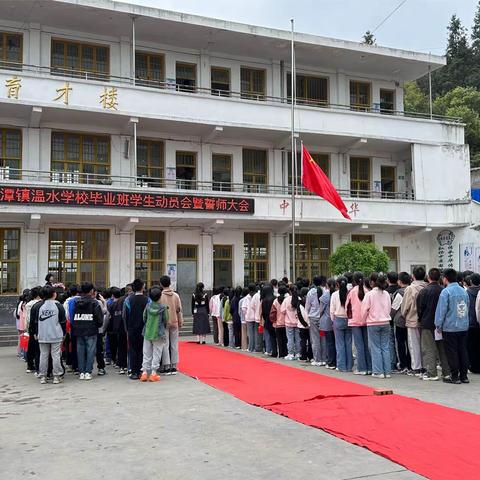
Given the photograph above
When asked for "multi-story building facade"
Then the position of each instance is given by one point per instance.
(137, 141)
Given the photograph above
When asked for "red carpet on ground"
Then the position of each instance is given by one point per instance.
(429, 439)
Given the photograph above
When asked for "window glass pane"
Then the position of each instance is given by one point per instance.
(254, 166)
(84, 154)
(221, 172)
(13, 144)
(149, 255)
(255, 257)
(74, 266)
(186, 171)
(312, 255)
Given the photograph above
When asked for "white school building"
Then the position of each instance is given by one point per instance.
(136, 142)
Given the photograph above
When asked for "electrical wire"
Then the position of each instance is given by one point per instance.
(389, 15)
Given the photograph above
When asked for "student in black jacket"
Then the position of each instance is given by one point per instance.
(427, 301)
(134, 306)
(87, 319)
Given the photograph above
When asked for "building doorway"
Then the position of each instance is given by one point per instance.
(222, 265)
(187, 256)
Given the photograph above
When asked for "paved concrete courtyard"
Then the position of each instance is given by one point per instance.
(178, 428)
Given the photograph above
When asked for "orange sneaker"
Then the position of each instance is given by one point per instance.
(154, 377)
(144, 377)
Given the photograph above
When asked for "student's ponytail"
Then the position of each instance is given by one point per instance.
(358, 280)
(381, 282)
(295, 298)
(331, 285)
(342, 289)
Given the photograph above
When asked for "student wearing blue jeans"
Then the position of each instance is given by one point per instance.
(364, 359)
(87, 319)
(376, 308)
(86, 350)
(343, 344)
(379, 343)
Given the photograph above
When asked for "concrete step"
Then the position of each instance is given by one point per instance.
(8, 336)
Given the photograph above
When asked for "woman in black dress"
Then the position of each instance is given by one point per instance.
(200, 312)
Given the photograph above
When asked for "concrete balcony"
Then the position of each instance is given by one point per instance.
(200, 111)
(390, 211)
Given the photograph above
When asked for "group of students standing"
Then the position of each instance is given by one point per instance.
(134, 331)
(380, 324)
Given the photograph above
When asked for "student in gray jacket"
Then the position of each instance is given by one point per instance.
(49, 327)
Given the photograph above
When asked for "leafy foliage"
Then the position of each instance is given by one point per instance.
(369, 38)
(455, 87)
(415, 99)
(463, 102)
(358, 256)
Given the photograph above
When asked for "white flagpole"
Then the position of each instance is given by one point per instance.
(294, 152)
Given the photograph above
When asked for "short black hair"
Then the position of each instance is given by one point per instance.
(475, 279)
(434, 274)
(285, 280)
(165, 281)
(73, 290)
(320, 280)
(35, 292)
(155, 293)
(451, 275)
(252, 287)
(392, 277)
(137, 285)
(48, 292)
(116, 292)
(405, 278)
(274, 282)
(48, 276)
(419, 273)
(86, 287)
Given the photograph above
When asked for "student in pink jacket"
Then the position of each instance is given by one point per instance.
(376, 307)
(289, 308)
(358, 324)
(277, 318)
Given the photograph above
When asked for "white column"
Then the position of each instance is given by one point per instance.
(204, 70)
(45, 149)
(31, 146)
(206, 260)
(125, 66)
(277, 178)
(30, 267)
(122, 258)
(278, 266)
(276, 79)
(340, 96)
(204, 167)
(34, 45)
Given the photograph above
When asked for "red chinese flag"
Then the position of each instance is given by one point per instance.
(315, 180)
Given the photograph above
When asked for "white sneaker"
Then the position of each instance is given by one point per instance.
(289, 357)
(297, 356)
(43, 380)
(88, 376)
(359, 373)
(81, 376)
(57, 380)
(330, 367)
(378, 375)
(387, 375)
(323, 364)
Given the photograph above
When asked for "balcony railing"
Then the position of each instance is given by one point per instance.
(78, 179)
(171, 85)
